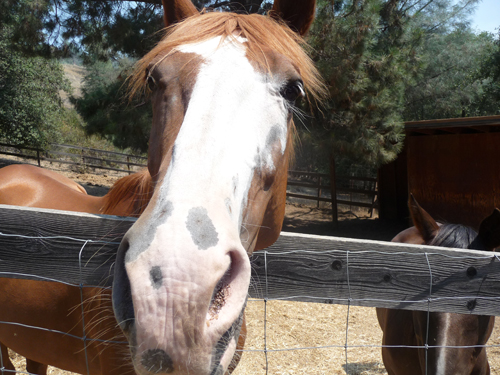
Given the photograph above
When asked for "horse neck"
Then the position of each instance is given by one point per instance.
(129, 196)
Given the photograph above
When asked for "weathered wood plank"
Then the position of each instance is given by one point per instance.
(371, 273)
(52, 242)
(299, 267)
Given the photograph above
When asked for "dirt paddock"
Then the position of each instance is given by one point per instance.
(302, 338)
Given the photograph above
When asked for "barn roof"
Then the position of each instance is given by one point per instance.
(463, 125)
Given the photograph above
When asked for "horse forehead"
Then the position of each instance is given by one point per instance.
(278, 65)
(175, 66)
(265, 61)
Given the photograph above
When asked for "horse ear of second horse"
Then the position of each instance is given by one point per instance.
(177, 10)
(489, 230)
(424, 222)
(298, 14)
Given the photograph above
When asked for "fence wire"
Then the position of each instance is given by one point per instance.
(347, 344)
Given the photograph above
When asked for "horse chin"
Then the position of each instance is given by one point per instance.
(200, 363)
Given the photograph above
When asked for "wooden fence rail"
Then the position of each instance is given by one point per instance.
(295, 178)
(81, 156)
(109, 160)
(80, 249)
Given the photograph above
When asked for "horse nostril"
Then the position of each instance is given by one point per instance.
(220, 295)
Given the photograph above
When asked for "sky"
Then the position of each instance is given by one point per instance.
(487, 16)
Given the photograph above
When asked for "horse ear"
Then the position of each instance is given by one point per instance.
(177, 10)
(298, 14)
(489, 230)
(424, 222)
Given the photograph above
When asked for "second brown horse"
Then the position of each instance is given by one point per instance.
(456, 341)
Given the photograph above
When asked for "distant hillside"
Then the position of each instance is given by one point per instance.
(75, 75)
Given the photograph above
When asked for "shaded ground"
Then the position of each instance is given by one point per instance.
(305, 219)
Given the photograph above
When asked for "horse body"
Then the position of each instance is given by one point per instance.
(30, 186)
(455, 340)
(57, 306)
(223, 87)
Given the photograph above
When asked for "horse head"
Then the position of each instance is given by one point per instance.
(456, 341)
(223, 88)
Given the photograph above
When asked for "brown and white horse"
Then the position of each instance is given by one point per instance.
(223, 91)
(456, 340)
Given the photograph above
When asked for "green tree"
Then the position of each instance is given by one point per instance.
(29, 26)
(490, 70)
(101, 29)
(370, 53)
(30, 105)
(457, 79)
(106, 109)
(362, 52)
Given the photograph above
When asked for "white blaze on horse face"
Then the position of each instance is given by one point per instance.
(443, 353)
(235, 119)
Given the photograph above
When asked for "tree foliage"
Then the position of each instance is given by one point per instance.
(385, 62)
(389, 61)
(457, 79)
(106, 109)
(30, 104)
(104, 29)
(362, 52)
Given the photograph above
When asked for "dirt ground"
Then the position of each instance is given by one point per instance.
(302, 338)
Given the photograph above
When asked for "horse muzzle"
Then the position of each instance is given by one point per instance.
(179, 292)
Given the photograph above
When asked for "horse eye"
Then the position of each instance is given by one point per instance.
(151, 82)
(292, 91)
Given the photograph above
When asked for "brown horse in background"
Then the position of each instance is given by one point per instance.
(29, 186)
(456, 340)
(56, 306)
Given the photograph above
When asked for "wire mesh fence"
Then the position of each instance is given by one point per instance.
(285, 336)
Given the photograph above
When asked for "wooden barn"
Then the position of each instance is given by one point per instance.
(451, 166)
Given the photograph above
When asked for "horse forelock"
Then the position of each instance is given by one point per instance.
(260, 32)
(137, 187)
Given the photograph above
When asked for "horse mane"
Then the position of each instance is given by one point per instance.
(454, 235)
(260, 31)
(137, 187)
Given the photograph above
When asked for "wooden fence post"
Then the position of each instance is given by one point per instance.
(333, 190)
(319, 189)
(83, 158)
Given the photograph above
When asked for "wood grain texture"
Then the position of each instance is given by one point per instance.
(377, 274)
(297, 267)
(52, 241)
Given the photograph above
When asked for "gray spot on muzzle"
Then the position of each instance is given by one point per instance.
(142, 241)
(156, 361)
(201, 228)
(274, 137)
(156, 277)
